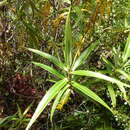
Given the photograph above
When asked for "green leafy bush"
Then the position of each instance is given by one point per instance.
(69, 76)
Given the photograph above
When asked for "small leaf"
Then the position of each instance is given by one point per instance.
(126, 53)
(90, 93)
(64, 99)
(108, 63)
(19, 111)
(49, 69)
(123, 73)
(57, 101)
(51, 58)
(85, 55)
(122, 89)
(112, 94)
(51, 93)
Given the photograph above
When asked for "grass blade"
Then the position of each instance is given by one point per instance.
(84, 55)
(56, 102)
(112, 94)
(108, 63)
(4, 121)
(49, 69)
(122, 89)
(90, 93)
(51, 93)
(51, 58)
(123, 73)
(68, 41)
(126, 52)
(100, 76)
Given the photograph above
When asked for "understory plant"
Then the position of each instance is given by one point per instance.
(15, 121)
(119, 67)
(68, 74)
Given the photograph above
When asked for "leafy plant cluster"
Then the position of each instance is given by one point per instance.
(83, 48)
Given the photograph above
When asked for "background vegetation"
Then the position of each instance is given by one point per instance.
(40, 24)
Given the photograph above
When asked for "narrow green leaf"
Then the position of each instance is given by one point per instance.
(56, 102)
(84, 55)
(123, 73)
(100, 76)
(19, 112)
(51, 93)
(79, 20)
(126, 53)
(49, 69)
(51, 58)
(90, 93)
(64, 99)
(112, 94)
(126, 64)
(108, 63)
(122, 89)
(68, 41)
(5, 120)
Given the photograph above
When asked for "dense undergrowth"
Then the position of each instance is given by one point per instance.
(85, 54)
